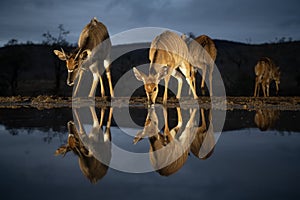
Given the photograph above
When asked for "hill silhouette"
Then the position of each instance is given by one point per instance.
(32, 70)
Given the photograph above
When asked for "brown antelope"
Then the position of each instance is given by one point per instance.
(265, 119)
(94, 44)
(93, 149)
(168, 151)
(167, 53)
(266, 71)
(203, 57)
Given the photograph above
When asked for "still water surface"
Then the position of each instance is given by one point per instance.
(248, 162)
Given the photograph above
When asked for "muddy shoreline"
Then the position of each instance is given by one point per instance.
(231, 103)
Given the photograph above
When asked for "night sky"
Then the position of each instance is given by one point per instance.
(252, 21)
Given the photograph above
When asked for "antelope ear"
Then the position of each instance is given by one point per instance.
(61, 150)
(85, 54)
(163, 72)
(139, 75)
(60, 55)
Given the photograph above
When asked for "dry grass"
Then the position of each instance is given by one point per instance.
(241, 103)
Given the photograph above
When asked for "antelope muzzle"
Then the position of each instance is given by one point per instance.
(72, 74)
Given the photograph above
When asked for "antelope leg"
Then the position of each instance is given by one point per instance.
(107, 68)
(165, 98)
(78, 83)
(178, 76)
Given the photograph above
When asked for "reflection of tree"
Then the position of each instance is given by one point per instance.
(13, 131)
(50, 135)
(266, 118)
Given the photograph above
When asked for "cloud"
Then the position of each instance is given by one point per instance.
(262, 20)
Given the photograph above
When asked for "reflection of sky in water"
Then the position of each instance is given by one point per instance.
(246, 164)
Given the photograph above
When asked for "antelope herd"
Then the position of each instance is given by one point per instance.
(170, 55)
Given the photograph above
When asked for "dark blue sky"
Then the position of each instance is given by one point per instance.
(257, 21)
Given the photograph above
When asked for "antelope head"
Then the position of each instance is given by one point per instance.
(73, 62)
(151, 82)
(74, 144)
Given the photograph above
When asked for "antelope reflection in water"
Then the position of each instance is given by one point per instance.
(169, 150)
(204, 141)
(266, 118)
(93, 149)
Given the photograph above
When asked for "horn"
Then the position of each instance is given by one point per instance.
(77, 54)
(63, 51)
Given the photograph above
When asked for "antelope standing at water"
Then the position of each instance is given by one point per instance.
(94, 45)
(167, 53)
(266, 71)
(93, 149)
(203, 57)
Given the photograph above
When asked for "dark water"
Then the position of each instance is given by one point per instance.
(247, 163)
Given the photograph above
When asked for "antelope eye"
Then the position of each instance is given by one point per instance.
(155, 89)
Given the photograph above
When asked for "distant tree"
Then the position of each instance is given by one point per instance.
(248, 40)
(49, 39)
(29, 42)
(282, 40)
(57, 43)
(11, 42)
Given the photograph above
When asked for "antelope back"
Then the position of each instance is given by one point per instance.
(167, 159)
(207, 44)
(92, 35)
(168, 49)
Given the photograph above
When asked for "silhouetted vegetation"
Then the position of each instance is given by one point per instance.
(11, 42)
(33, 69)
(57, 43)
(60, 40)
